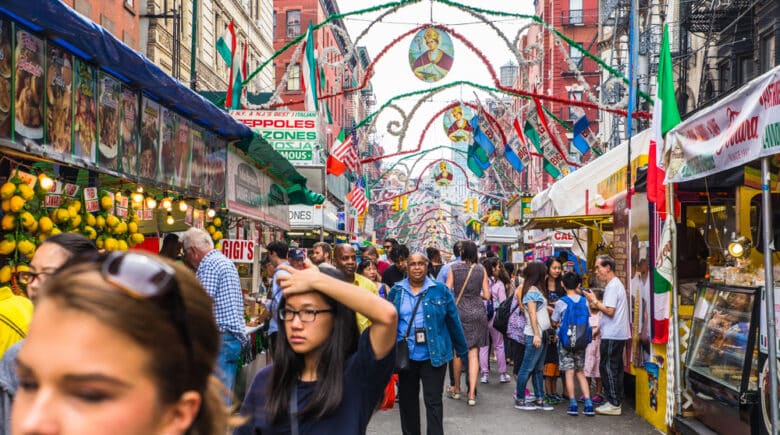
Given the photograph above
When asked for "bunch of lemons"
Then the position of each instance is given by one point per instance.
(215, 229)
(116, 233)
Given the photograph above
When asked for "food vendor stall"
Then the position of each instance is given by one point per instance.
(731, 365)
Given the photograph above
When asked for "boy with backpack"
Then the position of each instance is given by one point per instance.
(574, 334)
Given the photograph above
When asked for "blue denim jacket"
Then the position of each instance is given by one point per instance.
(441, 321)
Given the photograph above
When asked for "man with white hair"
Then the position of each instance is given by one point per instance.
(220, 279)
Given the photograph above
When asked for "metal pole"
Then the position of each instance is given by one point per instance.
(633, 30)
(769, 287)
(324, 192)
(675, 308)
(194, 46)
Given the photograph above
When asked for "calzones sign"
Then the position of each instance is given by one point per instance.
(292, 134)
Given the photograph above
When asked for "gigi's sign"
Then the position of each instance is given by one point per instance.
(239, 251)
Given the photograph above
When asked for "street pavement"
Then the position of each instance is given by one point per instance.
(495, 414)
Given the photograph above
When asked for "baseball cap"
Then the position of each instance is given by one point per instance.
(295, 254)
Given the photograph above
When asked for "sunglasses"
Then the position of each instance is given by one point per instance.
(145, 278)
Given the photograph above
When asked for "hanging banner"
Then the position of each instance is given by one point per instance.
(239, 251)
(740, 128)
(431, 54)
(292, 134)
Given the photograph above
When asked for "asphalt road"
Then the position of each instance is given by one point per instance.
(495, 414)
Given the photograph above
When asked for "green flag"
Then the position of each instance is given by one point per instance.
(533, 136)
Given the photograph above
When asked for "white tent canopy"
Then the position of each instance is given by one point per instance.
(568, 195)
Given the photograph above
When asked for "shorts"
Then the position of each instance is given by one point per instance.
(550, 370)
(592, 359)
(572, 360)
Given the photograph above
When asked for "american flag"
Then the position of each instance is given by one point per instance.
(345, 151)
(357, 196)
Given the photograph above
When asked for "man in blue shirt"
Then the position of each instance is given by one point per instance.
(219, 277)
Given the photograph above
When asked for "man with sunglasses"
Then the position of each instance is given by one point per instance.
(49, 257)
(219, 277)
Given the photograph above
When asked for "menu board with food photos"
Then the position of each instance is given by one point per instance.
(215, 166)
(195, 179)
(85, 119)
(109, 101)
(150, 138)
(182, 148)
(167, 155)
(6, 56)
(59, 101)
(129, 132)
(28, 89)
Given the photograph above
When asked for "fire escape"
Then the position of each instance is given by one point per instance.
(613, 44)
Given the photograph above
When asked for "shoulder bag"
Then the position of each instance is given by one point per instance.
(402, 362)
(463, 287)
(543, 317)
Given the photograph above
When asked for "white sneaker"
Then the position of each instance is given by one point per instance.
(609, 409)
(483, 379)
(504, 378)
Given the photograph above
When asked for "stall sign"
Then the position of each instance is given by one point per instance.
(292, 134)
(741, 128)
(71, 190)
(305, 216)
(239, 251)
(247, 193)
(54, 196)
(91, 203)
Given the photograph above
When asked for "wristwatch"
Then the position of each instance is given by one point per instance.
(595, 305)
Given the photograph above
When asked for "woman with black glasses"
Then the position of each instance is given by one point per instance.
(120, 343)
(325, 378)
(430, 325)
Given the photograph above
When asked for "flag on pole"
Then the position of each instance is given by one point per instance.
(533, 136)
(309, 72)
(484, 133)
(662, 285)
(522, 148)
(343, 155)
(477, 160)
(511, 156)
(357, 196)
(665, 117)
(544, 127)
(226, 47)
(244, 75)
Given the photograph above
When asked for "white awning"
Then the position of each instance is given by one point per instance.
(499, 235)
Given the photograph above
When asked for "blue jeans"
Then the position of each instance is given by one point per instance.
(533, 361)
(227, 362)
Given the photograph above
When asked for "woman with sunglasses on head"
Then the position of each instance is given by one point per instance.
(325, 378)
(429, 322)
(135, 344)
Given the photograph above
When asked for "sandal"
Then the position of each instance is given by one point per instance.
(454, 395)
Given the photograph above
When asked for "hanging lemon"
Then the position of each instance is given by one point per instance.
(112, 221)
(90, 232)
(106, 203)
(26, 192)
(9, 222)
(89, 219)
(45, 224)
(55, 231)
(217, 235)
(120, 228)
(137, 238)
(61, 215)
(26, 248)
(5, 273)
(110, 244)
(132, 227)
(75, 221)
(217, 222)
(211, 229)
(7, 246)
(16, 204)
(6, 204)
(77, 205)
(122, 245)
(7, 191)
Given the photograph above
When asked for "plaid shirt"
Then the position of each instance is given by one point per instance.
(220, 279)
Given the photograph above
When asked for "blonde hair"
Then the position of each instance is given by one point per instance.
(79, 287)
(431, 33)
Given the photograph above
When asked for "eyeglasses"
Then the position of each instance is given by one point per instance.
(143, 277)
(25, 278)
(417, 264)
(388, 246)
(306, 316)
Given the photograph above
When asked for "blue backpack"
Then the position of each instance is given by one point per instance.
(575, 331)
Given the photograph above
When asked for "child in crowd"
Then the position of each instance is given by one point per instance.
(572, 312)
(592, 358)
(551, 370)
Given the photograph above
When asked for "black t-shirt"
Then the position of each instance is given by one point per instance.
(365, 379)
(392, 275)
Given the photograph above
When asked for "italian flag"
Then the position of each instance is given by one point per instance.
(226, 47)
(309, 72)
(665, 117)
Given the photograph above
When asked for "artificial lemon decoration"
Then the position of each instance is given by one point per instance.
(5, 273)
(90, 232)
(61, 215)
(76, 205)
(110, 244)
(112, 221)
(217, 235)
(45, 224)
(26, 248)
(16, 204)
(26, 192)
(7, 191)
(132, 227)
(9, 222)
(122, 245)
(120, 228)
(55, 231)
(89, 219)
(137, 238)
(75, 221)
(211, 229)
(6, 204)
(217, 222)
(7, 246)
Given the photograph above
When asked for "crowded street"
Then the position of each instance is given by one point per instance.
(347, 217)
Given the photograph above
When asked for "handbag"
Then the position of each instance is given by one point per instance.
(543, 318)
(402, 362)
(490, 309)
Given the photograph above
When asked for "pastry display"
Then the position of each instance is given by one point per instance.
(85, 117)
(59, 77)
(108, 113)
(29, 89)
(129, 132)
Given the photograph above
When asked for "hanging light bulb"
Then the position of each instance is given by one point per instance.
(211, 213)
(46, 182)
(138, 197)
(139, 189)
(182, 205)
(169, 219)
(151, 202)
(166, 203)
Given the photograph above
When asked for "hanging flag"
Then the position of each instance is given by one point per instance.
(512, 157)
(484, 134)
(343, 155)
(533, 136)
(226, 44)
(357, 196)
(522, 148)
(544, 128)
(662, 285)
(309, 72)
(581, 134)
(665, 117)
(477, 160)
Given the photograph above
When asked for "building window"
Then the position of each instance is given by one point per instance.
(766, 53)
(294, 78)
(576, 96)
(575, 12)
(745, 69)
(293, 23)
(273, 35)
(575, 54)
(724, 73)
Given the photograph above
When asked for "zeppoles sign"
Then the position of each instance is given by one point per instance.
(292, 134)
(741, 128)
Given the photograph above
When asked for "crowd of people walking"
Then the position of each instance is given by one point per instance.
(349, 330)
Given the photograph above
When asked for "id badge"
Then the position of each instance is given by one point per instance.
(419, 335)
